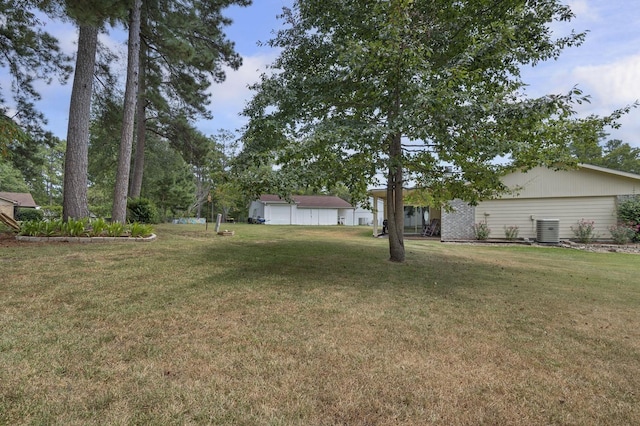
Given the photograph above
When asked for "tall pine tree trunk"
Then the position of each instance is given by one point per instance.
(75, 203)
(119, 212)
(141, 130)
(395, 201)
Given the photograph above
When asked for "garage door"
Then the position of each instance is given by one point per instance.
(278, 215)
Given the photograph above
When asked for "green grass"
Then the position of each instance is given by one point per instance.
(304, 325)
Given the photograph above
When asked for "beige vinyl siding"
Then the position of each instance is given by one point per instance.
(568, 210)
(542, 182)
(6, 207)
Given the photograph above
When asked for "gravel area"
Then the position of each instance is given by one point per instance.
(603, 247)
(598, 247)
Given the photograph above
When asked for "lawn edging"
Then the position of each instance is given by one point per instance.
(26, 238)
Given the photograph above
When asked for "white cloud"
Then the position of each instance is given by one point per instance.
(235, 87)
(615, 83)
(229, 98)
(612, 86)
(583, 10)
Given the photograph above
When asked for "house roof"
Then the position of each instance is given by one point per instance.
(610, 171)
(20, 199)
(309, 201)
(382, 192)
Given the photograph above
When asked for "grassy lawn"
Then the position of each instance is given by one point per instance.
(312, 326)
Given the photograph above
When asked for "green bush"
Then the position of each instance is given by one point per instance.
(50, 228)
(97, 227)
(24, 214)
(622, 234)
(30, 228)
(115, 229)
(141, 210)
(629, 210)
(481, 231)
(629, 214)
(75, 227)
(140, 229)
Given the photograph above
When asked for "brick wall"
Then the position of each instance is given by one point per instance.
(457, 224)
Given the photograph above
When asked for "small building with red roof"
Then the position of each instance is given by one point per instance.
(302, 210)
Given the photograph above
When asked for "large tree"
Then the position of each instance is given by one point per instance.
(184, 50)
(75, 204)
(119, 211)
(169, 181)
(613, 154)
(91, 18)
(411, 90)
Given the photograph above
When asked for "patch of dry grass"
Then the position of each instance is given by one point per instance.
(295, 325)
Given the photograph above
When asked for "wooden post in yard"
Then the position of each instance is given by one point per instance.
(218, 221)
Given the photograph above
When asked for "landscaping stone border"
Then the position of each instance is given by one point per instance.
(27, 238)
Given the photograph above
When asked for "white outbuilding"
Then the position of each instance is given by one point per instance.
(302, 210)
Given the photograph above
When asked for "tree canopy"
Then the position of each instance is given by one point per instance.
(412, 92)
(29, 54)
(184, 50)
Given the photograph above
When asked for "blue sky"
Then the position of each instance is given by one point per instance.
(606, 66)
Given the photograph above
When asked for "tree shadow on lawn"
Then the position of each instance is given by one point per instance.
(327, 263)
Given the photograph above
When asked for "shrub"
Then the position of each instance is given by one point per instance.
(622, 234)
(140, 229)
(28, 214)
(511, 232)
(50, 228)
(97, 227)
(30, 228)
(115, 229)
(585, 231)
(629, 210)
(481, 231)
(629, 213)
(635, 226)
(141, 210)
(42, 228)
(75, 227)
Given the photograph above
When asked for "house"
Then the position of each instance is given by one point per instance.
(10, 202)
(364, 216)
(416, 215)
(539, 197)
(543, 195)
(302, 210)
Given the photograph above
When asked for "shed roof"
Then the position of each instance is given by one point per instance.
(309, 201)
(21, 199)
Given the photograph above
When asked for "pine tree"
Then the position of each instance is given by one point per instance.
(90, 16)
(184, 49)
(28, 54)
(119, 212)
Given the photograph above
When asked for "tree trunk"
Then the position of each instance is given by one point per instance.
(75, 203)
(119, 212)
(395, 201)
(141, 130)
